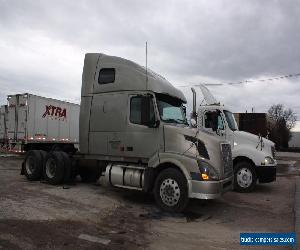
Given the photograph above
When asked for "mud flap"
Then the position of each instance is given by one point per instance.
(148, 179)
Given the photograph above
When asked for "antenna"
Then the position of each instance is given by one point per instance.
(146, 64)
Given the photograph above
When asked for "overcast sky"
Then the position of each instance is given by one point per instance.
(42, 46)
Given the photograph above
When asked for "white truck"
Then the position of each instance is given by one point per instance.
(253, 156)
(35, 122)
(133, 131)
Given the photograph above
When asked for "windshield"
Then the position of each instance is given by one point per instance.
(230, 120)
(170, 109)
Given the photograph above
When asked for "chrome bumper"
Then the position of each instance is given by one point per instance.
(209, 189)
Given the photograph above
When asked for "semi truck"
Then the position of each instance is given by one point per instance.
(133, 132)
(36, 122)
(253, 156)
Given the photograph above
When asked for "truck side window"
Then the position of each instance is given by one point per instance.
(106, 75)
(209, 119)
(138, 111)
(214, 120)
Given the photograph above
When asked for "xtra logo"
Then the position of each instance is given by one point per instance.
(56, 112)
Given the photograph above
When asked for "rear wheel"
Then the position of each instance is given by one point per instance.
(67, 167)
(170, 190)
(33, 165)
(54, 168)
(244, 177)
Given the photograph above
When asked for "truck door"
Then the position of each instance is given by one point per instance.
(142, 137)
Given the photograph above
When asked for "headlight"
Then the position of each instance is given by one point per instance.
(268, 161)
(207, 172)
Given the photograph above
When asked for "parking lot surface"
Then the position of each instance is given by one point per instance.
(35, 215)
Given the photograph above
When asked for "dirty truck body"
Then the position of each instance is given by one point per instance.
(133, 131)
(253, 156)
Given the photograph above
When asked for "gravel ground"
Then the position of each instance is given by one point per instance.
(34, 215)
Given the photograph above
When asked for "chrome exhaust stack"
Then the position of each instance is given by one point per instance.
(194, 113)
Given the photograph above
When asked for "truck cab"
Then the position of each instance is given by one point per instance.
(133, 130)
(253, 156)
(134, 119)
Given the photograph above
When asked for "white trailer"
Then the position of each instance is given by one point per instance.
(36, 122)
(3, 125)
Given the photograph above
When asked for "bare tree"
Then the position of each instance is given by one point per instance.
(282, 121)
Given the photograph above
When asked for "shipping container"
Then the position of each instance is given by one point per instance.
(3, 121)
(34, 121)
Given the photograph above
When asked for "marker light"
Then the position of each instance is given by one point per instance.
(204, 176)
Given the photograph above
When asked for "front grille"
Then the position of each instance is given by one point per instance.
(273, 152)
(227, 159)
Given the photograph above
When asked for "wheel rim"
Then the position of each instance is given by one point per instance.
(50, 168)
(244, 177)
(169, 192)
(30, 166)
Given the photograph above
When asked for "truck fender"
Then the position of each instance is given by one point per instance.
(163, 162)
(253, 155)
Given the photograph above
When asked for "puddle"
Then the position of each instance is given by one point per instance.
(192, 216)
(187, 216)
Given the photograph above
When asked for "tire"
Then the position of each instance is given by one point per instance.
(244, 177)
(69, 148)
(67, 167)
(54, 168)
(171, 190)
(56, 147)
(33, 165)
(44, 155)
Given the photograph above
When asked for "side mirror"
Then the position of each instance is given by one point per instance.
(184, 110)
(155, 124)
(147, 112)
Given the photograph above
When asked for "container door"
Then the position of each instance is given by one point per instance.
(2, 123)
(22, 117)
(11, 118)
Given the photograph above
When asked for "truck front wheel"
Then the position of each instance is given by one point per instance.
(170, 190)
(244, 177)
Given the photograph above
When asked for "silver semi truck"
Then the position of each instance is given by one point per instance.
(133, 131)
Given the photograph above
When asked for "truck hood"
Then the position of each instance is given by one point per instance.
(181, 132)
(178, 139)
(242, 137)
